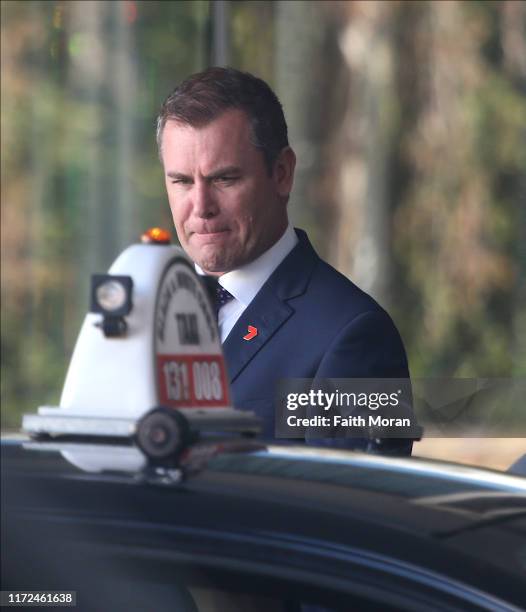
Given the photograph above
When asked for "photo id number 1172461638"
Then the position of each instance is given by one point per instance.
(38, 598)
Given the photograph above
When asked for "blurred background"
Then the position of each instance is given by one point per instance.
(408, 119)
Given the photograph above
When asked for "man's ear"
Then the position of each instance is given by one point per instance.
(284, 171)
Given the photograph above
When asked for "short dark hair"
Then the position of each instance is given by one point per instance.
(204, 96)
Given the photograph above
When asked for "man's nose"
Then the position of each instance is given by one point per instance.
(204, 203)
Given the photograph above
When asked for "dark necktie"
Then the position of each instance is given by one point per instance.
(222, 297)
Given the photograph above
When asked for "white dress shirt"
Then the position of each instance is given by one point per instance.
(245, 282)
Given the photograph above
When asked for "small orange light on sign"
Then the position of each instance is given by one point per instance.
(156, 235)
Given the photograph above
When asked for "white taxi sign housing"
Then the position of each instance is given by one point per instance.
(170, 355)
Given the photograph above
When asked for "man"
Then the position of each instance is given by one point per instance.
(229, 170)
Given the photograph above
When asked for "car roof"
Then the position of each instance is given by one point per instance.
(346, 498)
(470, 494)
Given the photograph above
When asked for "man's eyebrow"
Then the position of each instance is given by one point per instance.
(222, 171)
(225, 171)
(177, 175)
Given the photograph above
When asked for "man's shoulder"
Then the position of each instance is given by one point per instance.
(324, 286)
(326, 280)
(315, 289)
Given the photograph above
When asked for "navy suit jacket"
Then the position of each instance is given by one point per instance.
(312, 322)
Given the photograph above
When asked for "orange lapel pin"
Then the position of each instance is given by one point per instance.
(252, 333)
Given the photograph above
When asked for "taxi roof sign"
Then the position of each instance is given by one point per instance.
(169, 356)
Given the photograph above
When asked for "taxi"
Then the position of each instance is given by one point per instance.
(152, 492)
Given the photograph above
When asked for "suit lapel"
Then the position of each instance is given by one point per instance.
(269, 310)
(267, 314)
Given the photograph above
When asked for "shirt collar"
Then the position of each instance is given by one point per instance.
(245, 282)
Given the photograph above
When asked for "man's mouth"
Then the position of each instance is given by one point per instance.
(209, 236)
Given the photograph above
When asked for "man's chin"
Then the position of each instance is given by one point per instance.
(216, 261)
(213, 267)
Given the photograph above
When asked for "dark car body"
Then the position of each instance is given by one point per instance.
(285, 528)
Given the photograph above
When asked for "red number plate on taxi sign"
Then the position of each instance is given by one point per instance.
(192, 381)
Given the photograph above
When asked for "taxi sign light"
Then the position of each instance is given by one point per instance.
(156, 235)
(111, 295)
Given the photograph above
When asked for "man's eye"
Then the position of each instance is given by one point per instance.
(180, 181)
(226, 179)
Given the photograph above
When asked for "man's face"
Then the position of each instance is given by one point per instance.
(227, 209)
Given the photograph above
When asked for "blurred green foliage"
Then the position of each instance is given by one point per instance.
(81, 86)
(460, 219)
